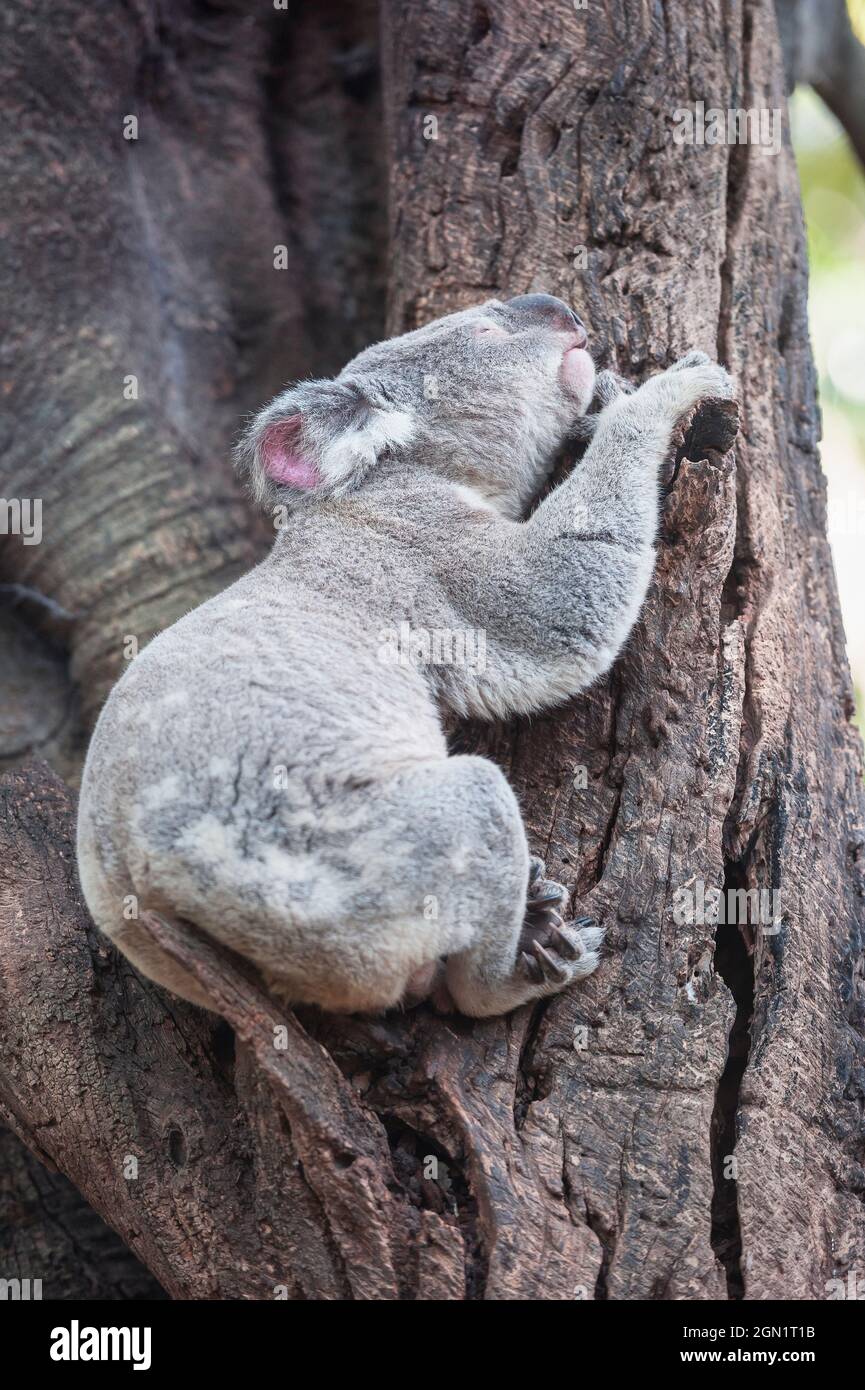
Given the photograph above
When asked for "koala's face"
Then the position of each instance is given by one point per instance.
(484, 397)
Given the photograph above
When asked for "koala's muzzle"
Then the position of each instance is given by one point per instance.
(555, 312)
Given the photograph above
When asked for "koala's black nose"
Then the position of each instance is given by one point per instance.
(555, 311)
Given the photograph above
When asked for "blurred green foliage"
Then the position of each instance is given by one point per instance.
(833, 196)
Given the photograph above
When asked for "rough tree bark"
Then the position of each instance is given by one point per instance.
(583, 1147)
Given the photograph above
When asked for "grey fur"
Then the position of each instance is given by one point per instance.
(273, 768)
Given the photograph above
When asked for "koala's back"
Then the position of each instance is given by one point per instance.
(233, 767)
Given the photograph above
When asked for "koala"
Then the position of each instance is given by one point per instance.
(274, 769)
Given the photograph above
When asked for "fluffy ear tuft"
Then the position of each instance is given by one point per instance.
(319, 438)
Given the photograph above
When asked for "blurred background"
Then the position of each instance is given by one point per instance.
(833, 192)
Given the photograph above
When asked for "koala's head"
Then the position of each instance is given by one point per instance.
(485, 397)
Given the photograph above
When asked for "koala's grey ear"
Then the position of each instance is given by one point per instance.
(320, 437)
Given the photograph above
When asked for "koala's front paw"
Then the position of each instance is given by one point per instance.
(691, 359)
(697, 381)
(694, 378)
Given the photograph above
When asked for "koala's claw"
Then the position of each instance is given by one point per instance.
(528, 966)
(542, 889)
(551, 969)
(564, 945)
(543, 905)
(570, 953)
(550, 893)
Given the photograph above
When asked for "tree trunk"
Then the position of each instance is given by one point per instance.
(686, 1125)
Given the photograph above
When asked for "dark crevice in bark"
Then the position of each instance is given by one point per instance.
(321, 103)
(737, 169)
(528, 1084)
(732, 960)
(411, 1152)
(736, 967)
(524, 1091)
(607, 1240)
(448, 1194)
(481, 24)
(617, 774)
(737, 187)
(224, 1045)
(738, 586)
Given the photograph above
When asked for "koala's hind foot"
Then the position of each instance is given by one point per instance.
(479, 986)
(548, 944)
(553, 951)
(568, 952)
(550, 955)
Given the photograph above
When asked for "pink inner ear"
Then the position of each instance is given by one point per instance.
(281, 457)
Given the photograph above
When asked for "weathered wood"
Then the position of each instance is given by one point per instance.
(126, 1090)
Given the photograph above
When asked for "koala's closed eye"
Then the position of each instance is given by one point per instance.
(485, 328)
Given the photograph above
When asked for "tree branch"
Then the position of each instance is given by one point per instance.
(820, 47)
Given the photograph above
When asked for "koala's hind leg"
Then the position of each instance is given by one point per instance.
(429, 862)
(499, 915)
(433, 861)
(428, 858)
